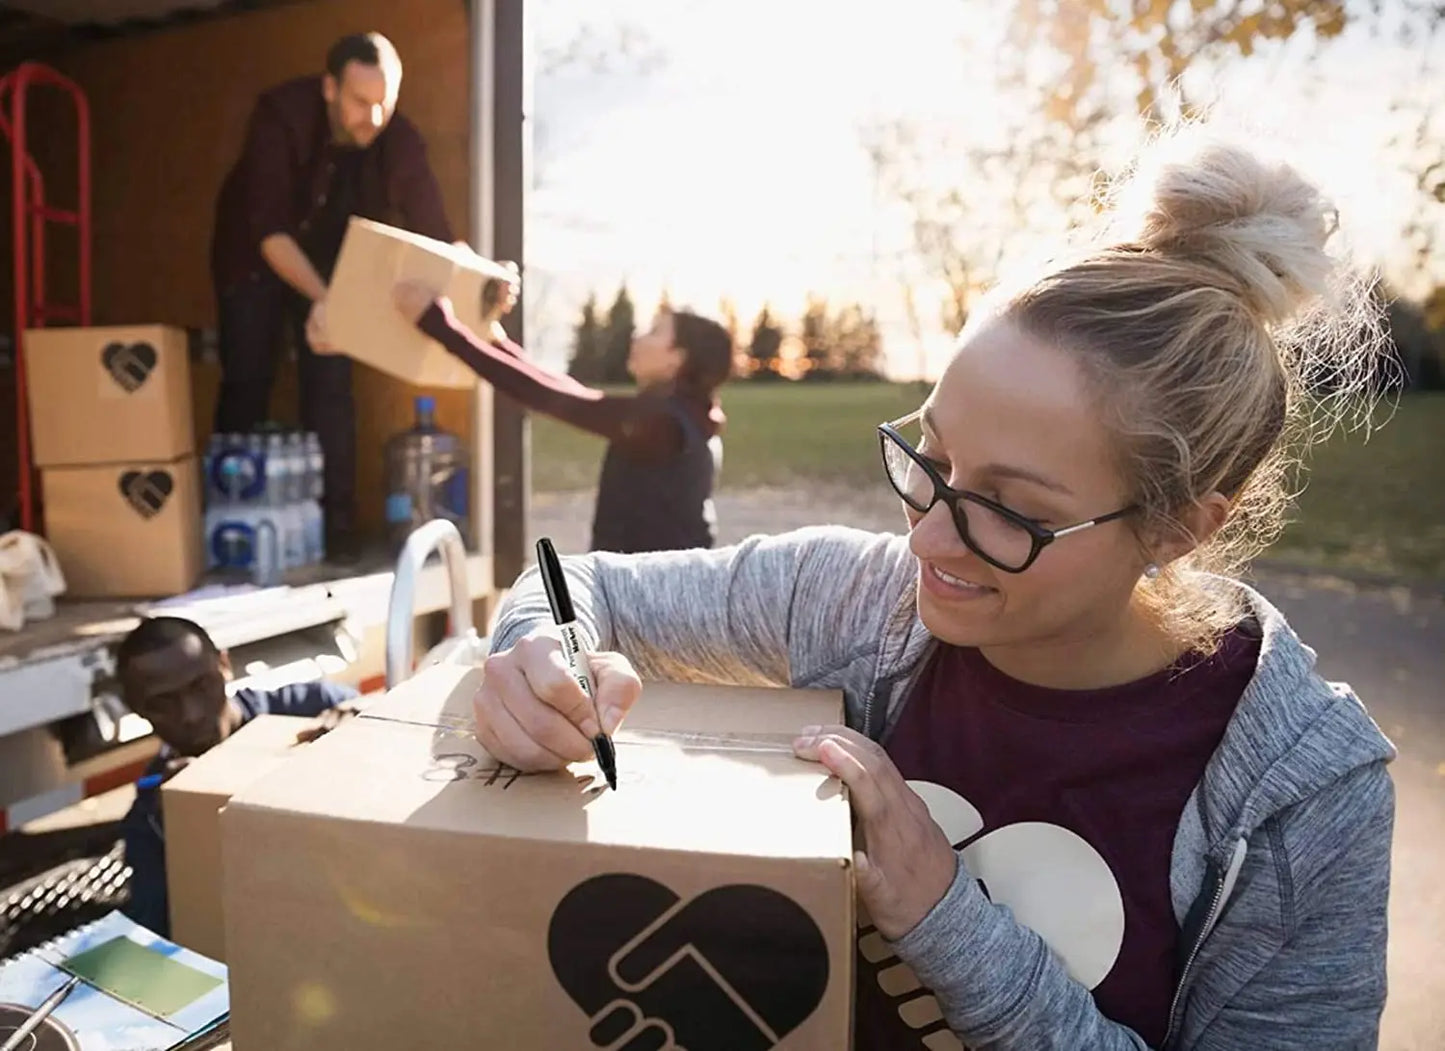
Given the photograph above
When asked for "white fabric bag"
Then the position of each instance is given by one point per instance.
(30, 578)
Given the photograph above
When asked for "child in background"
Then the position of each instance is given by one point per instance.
(664, 445)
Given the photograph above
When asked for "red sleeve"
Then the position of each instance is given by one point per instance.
(416, 193)
(644, 429)
(270, 174)
(562, 380)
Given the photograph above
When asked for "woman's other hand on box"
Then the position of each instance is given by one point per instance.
(907, 863)
(532, 715)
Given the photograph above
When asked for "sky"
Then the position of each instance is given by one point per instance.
(714, 148)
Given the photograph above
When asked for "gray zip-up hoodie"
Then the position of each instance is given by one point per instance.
(1281, 863)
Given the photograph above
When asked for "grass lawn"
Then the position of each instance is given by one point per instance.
(777, 433)
(1376, 505)
(1379, 504)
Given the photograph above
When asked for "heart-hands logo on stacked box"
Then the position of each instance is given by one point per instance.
(130, 365)
(146, 491)
(737, 968)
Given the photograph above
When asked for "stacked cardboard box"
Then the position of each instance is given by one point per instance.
(110, 424)
(192, 802)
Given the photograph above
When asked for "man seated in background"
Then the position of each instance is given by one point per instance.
(173, 675)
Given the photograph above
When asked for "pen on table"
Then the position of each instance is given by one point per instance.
(39, 1015)
(561, 602)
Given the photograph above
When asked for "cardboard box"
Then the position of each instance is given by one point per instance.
(362, 320)
(126, 530)
(393, 887)
(191, 803)
(108, 395)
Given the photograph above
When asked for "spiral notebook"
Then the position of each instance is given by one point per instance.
(138, 991)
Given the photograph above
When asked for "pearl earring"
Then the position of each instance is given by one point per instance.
(1151, 570)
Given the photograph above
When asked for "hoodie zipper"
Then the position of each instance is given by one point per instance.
(1209, 919)
(1224, 883)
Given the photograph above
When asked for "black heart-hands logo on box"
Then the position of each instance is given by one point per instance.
(737, 968)
(146, 491)
(129, 364)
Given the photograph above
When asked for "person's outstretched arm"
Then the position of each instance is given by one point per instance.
(617, 418)
(770, 611)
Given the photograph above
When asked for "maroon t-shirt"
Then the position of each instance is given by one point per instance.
(1065, 803)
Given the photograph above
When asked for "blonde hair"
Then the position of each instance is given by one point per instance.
(1222, 338)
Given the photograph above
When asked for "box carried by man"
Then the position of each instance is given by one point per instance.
(362, 321)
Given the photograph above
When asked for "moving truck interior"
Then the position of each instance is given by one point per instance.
(143, 105)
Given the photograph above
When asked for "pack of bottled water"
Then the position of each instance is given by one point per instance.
(263, 503)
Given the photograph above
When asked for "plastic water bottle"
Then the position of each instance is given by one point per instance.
(266, 566)
(208, 500)
(426, 477)
(316, 478)
(280, 506)
(214, 447)
(230, 522)
(297, 483)
(273, 496)
(219, 485)
(309, 511)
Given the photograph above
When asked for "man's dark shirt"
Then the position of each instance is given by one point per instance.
(291, 178)
(145, 843)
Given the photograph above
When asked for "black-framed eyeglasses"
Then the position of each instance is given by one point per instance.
(1001, 537)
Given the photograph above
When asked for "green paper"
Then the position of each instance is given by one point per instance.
(140, 976)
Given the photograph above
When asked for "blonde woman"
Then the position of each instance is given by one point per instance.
(1105, 799)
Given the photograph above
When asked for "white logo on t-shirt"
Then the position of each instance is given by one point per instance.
(1051, 879)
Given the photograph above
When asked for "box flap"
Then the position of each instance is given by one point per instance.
(442, 696)
(262, 743)
(697, 766)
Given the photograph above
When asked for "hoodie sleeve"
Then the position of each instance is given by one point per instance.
(1326, 986)
(1000, 986)
(770, 611)
(1002, 989)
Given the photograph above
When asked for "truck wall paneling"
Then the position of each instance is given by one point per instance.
(168, 114)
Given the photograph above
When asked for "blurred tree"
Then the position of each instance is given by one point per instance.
(1419, 151)
(727, 312)
(1079, 56)
(858, 344)
(617, 338)
(763, 348)
(585, 365)
(816, 335)
(1418, 335)
(597, 45)
(727, 316)
(1090, 68)
(842, 344)
(600, 46)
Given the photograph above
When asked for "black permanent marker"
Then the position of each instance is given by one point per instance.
(562, 613)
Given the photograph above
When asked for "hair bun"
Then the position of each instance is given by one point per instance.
(1260, 224)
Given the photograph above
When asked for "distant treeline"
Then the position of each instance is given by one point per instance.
(827, 342)
(843, 342)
